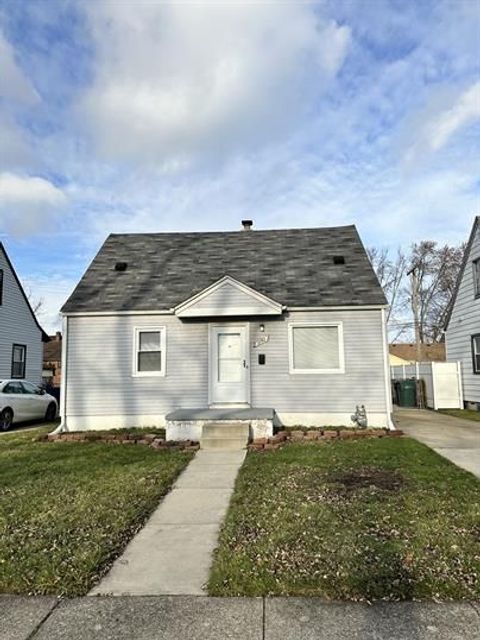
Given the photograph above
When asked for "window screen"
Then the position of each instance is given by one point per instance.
(315, 348)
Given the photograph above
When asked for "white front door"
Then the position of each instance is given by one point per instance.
(229, 364)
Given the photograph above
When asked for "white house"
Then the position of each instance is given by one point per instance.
(463, 325)
(284, 326)
(21, 348)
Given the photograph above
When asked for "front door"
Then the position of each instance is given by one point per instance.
(229, 364)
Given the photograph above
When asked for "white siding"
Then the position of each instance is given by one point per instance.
(99, 367)
(362, 383)
(464, 322)
(100, 352)
(17, 326)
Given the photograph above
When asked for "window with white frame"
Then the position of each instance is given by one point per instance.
(476, 353)
(316, 348)
(476, 277)
(149, 351)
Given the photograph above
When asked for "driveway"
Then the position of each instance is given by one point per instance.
(453, 438)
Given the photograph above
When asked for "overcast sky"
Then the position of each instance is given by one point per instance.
(164, 116)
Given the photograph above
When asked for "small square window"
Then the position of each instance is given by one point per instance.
(19, 358)
(149, 355)
(476, 353)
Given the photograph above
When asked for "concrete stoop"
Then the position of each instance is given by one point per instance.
(225, 435)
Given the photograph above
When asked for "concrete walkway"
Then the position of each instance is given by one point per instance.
(172, 554)
(453, 438)
(194, 618)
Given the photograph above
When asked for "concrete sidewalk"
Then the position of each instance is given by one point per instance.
(453, 438)
(202, 618)
(172, 554)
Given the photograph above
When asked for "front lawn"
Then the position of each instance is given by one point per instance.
(351, 520)
(462, 413)
(67, 509)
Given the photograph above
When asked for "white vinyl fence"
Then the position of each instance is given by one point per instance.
(443, 382)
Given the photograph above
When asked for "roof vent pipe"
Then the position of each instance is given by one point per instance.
(247, 225)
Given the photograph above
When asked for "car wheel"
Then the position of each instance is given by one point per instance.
(51, 412)
(6, 419)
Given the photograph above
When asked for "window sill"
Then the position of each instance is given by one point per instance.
(159, 374)
(316, 372)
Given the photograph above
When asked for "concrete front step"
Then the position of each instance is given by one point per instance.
(223, 443)
(226, 429)
(225, 435)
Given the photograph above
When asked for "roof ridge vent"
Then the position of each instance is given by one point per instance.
(247, 225)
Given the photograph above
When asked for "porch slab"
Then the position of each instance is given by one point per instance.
(248, 413)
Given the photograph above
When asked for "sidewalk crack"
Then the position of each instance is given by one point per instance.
(263, 617)
(33, 633)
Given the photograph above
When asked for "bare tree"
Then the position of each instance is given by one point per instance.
(35, 303)
(434, 274)
(418, 304)
(390, 273)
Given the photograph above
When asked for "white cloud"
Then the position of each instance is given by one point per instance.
(176, 79)
(28, 204)
(14, 85)
(444, 117)
(14, 150)
(465, 111)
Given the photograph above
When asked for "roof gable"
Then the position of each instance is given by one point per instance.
(466, 258)
(16, 279)
(228, 297)
(294, 267)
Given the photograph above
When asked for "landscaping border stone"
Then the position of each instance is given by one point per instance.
(151, 440)
(318, 435)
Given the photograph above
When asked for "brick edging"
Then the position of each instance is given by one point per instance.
(151, 440)
(314, 435)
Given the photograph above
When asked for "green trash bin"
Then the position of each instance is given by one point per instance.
(407, 393)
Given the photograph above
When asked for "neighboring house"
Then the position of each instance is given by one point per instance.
(20, 334)
(463, 323)
(52, 360)
(407, 353)
(285, 325)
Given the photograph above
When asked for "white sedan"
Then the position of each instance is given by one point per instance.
(21, 400)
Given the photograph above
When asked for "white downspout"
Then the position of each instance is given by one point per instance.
(386, 371)
(63, 379)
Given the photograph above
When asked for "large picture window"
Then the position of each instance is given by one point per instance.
(476, 353)
(19, 360)
(149, 351)
(316, 348)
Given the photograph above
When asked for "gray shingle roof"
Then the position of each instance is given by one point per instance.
(292, 266)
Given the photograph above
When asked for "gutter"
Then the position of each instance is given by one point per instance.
(63, 381)
(386, 368)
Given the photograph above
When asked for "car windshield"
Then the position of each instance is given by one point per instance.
(30, 388)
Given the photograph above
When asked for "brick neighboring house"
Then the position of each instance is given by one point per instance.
(407, 353)
(52, 360)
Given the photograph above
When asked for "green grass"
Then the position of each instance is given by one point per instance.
(68, 509)
(462, 413)
(351, 520)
